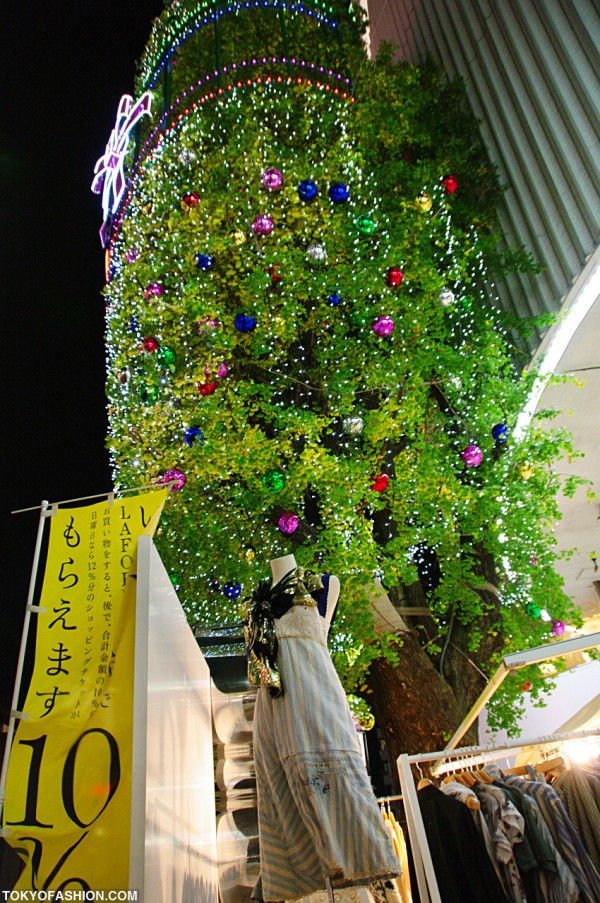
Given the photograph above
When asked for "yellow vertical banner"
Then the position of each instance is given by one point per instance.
(68, 791)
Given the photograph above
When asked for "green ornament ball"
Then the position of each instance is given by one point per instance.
(365, 224)
(149, 394)
(533, 610)
(167, 357)
(274, 480)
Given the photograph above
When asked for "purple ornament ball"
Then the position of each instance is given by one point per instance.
(472, 456)
(154, 290)
(272, 179)
(176, 476)
(262, 225)
(383, 326)
(558, 628)
(288, 522)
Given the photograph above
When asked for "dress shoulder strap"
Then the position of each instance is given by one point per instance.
(321, 595)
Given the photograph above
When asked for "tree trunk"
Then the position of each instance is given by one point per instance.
(419, 703)
(414, 706)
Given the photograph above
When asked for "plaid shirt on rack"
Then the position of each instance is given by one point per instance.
(565, 837)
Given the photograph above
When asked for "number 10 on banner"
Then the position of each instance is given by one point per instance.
(95, 792)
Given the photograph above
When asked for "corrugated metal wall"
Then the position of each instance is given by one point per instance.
(532, 70)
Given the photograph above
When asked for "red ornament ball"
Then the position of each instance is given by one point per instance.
(190, 199)
(150, 344)
(394, 277)
(207, 388)
(450, 183)
(526, 687)
(275, 275)
(381, 483)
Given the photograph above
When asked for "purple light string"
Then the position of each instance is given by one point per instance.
(186, 30)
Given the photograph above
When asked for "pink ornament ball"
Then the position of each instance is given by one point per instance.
(288, 522)
(154, 290)
(177, 477)
(472, 456)
(558, 628)
(383, 326)
(272, 179)
(207, 325)
(262, 225)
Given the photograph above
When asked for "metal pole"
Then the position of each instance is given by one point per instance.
(492, 748)
(512, 662)
(109, 495)
(29, 608)
(426, 880)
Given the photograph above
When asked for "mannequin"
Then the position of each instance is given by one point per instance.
(318, 818)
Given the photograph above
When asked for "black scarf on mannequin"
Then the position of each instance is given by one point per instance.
(259, 612)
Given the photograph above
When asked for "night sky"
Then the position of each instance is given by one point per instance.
(64, 68)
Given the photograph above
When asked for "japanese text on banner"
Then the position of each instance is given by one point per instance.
(68, 794)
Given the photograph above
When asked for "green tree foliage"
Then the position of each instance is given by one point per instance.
(287, 373)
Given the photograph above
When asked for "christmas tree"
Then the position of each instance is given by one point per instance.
(302, 341)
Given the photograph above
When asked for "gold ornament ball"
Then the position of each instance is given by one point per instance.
(424, 202)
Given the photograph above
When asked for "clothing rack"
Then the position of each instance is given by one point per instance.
(426, 880)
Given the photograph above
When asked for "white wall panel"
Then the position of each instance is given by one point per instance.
(532, 72)
(173, 846)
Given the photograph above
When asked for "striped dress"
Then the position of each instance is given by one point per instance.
(317, 814)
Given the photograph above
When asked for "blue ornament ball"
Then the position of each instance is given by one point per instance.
(205, 261)
(339, 193)
(334, 299)
(307, 190)
(500, 432)
(192, 435)
(244, 323)
(232, 590)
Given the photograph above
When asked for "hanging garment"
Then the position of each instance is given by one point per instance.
(566, 839)
(506, 826)
(591, 770)
(499, 848)
(400, 849)
(341, 895)
(462, 866)
(403, 880)
(579, 801)
(549, 880)
(317, 814)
